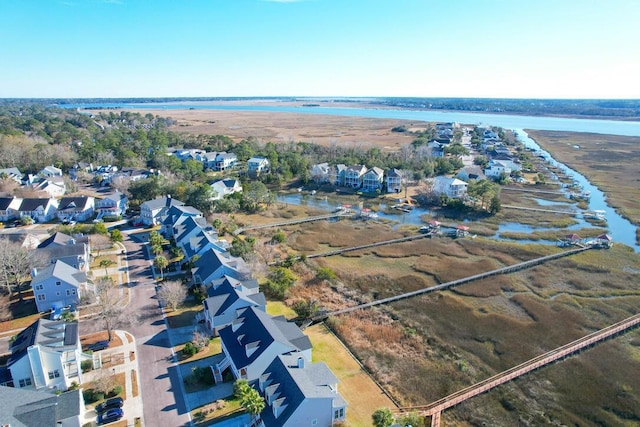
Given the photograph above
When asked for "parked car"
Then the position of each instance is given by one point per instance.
(100, 345)
(115, 402)
(111, 415)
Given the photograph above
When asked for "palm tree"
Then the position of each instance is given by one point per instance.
(161, 263)
(252, 402)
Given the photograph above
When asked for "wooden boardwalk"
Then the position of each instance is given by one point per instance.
(448, 285)
(434, 409)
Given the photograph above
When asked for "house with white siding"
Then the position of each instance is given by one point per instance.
(58, 285)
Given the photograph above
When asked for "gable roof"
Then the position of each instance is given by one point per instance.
(200, 241)
(394, 173)
(223, 296)
(56, 335)
(186, 224)
(160, 202)
(75, 203)
(31, 204)
(291, 382)
(62, 271)
(176, 211)
(61, 239)
(116, 196)
(212, 260)
(259, 330)
(27, 408)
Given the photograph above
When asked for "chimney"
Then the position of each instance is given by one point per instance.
(168, 204)
(301, 362)
(34, 272)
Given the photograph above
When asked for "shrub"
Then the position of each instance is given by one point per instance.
(189, 349)
(86, 365)
(117, 390)
(88, 395)
(325, 273)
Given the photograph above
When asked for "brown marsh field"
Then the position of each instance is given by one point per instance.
(608, 161)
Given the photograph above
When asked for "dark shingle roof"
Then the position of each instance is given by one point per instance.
(212, 260)
(223, 296)
(32, 204)
(73, 203)
(5, 202)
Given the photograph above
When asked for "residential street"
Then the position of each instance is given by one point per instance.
(158, 375)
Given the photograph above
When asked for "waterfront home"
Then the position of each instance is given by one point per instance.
(394, 179)
(254, 339)
(224, 161)
(187, 226)
(497, 168)
(176, 214)
(353, 176)
(46, 356)
(372, 179)
(58, 285)
(337, 175)
(202, 241)
(468, 173)
(225, 187)
(257, 165)
(300, 393)
(450, 187)
(320, 173)
(214, 265)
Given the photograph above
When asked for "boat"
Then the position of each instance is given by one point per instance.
(597, 214)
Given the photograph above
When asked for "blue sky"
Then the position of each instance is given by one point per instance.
(429, 48)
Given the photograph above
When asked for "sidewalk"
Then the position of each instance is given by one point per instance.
(127, 351)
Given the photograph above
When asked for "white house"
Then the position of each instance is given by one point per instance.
(471, 172)
(497, 168)
(50, 171)
(254, 339)
(9, 208)
(225, 187)
(394, 179)
(39, 209)
(257, 165)
(46, 355)
(58, 285)
(451, 187)
(54, 186)
(353, 176)
(12, 173)
(320, 173)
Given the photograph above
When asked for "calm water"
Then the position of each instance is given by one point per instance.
(506, 121)
(620, 229)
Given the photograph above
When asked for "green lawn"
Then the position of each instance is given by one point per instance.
(278, 308)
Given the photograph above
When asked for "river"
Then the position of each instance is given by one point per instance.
(621, 230)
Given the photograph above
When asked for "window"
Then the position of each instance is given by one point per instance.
(73, 291)
(58, 283)
(39, 287)
(338, 414)
(42, 297)
(57, 294)
(54, 374)
(68, 292)
(314, 422)
(25, 382)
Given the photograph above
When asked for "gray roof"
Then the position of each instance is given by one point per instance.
(74, 203)
(292, 382)
(227, 293)
(62, 271)
(259, 328)
(61, 239)
(30, 408)
(187, 224)
(53, 334)
(162, 201)
(31, 204)
(176, 211)
(200, 241)
(212, 260)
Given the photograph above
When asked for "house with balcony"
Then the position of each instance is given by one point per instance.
(58, 285)
(353, 176)
(300, 393)
(450, 187)
(394, 179)
(254, 339)
(337, 175)
(320, 173)
(46, 356)
(226, 298)
(496, 168)
(257, 165)
(224, 161)
(114, 204)
(372, 179)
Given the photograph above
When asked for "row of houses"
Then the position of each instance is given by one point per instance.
(49, 180)
(81, 208)
(358, 177)
(272, 354)
(220, 161)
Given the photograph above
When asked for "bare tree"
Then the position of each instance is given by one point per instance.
(121, 183)
(112, 303)
(173, 293)
(200, 339)
(5, 311)
(104, 381)
(16, 263)
(100, 242)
